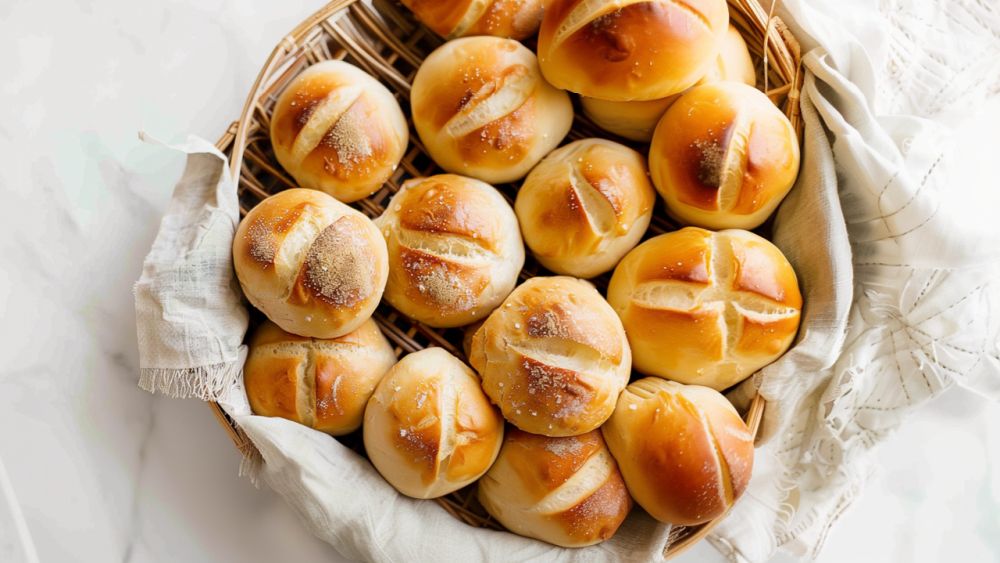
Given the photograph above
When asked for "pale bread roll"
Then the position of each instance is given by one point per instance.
(706, 308)
(636, 120)
(685, 453)
(454, 249)
(515, 19)
(323, 384)
(565, 491)
(482, 109)
(429, 429)
(337, 129)
(585, 206)
(313, 265)
(626, 50)
(723, 157)
(553, 357)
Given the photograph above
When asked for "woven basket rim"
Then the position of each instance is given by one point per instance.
(780, 53)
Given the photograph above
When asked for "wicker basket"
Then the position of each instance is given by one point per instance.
(382, 38)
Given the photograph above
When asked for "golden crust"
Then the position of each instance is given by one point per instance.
(723, 156)
(324, 384)
(515, 19)
(630, 49)
(706, 308)
(685, 454)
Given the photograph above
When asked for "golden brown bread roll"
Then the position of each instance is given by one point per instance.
(636, 120)
(585, 206)
(553, 357)
(429, 430)
(516, 19)
(337, 129)
(565, 491)
(630, 49)
(482, 109)
(685, 453)
(454, 249)
(706, 308)
(323, 384)
(723, 156)
(313, 265)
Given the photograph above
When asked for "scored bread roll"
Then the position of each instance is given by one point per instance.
(313, 265)
(482, 109)
(585, 206)
(454, 249)
(706, 308)
(685, 453)
(565, 491)
(625, 50)
(323, 384)
(337, 129)
(553, 357)
(428, 429)
(723, 156)
(516, 19)
(636, 120)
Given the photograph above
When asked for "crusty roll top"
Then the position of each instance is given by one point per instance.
(554, 357)
(706, 308)
(428, 428)
(630, 49)
(323, 384)
(685, 453)
(454, 249)
(724, 156)
(482, 108)
(516, 19)
(337, 129)
(311, 264)
(585, 205)
(566, 491)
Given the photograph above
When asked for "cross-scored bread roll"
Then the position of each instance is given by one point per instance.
(454, 249)
(553, 357)
(585, 206)
(723, 156)
(630, 49)
(706, 308)
(636, 120)
(313, 265)
(685, 453)
(337, 129)
(516, 19)
(565, 491)
(429, 429)
(323, 384)
(482, 109)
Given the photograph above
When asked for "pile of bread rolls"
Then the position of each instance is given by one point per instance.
(570, 405)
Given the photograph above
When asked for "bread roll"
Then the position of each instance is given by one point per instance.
(313, 265)
(482, 109)
(636, 120)
(429, 430)
(706, 308)
(585, 206)
(516, 19)
(454, 250)
(323, 384)
(337, 129)
(724, 156)
(685, 453)
(554, 357)
(565, 491)
(626, 50)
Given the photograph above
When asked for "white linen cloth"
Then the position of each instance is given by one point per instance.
(899, 304)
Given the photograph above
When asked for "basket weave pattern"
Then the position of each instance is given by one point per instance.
(383, 39)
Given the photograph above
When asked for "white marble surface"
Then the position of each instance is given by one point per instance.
(101, 471)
